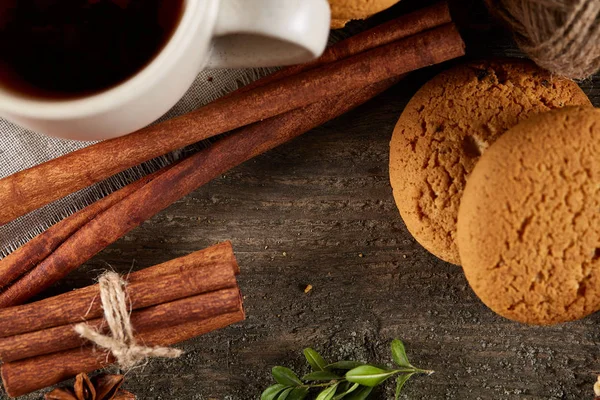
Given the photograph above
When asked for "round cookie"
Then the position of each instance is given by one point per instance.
(529, 222)
(446, 127)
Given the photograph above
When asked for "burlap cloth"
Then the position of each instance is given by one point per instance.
(21, 149)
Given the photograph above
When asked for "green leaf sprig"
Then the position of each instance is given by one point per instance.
(348, 380)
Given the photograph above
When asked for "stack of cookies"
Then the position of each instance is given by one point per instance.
(495, 166)
(343, 11)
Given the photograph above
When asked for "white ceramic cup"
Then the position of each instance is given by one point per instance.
(211, 34)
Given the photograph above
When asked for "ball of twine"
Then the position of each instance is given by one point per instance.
(562, 36)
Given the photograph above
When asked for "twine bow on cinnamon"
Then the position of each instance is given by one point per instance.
(121, 342)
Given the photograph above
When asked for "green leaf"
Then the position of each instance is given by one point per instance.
(347, 392)
(321, 376)
(328, 393)
(360, 394)
(367, 375)
(298, 393)
(402, 379)
(285, 376)
(271, 392)
(315, 360)
(284, 395)
(399, 354)
(345, 365)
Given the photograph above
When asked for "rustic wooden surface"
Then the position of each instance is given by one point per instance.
(320, 211)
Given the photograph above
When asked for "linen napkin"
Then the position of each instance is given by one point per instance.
(21, 149)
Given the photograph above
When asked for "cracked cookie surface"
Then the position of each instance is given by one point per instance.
(529, 222)
(446, 127)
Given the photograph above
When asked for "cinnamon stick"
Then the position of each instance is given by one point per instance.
(26, 376)
(37, 186)
(175, 183)
(163, 315)
(33, 252)
(216, 265)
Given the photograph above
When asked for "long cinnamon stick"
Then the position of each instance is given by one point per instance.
(26, 376)
(180, 180)
(217, 264)
(37, 186)
(33, 252)
(163, 315)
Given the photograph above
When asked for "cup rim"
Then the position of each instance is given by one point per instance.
(133, 87)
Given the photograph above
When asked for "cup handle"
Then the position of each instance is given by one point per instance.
(267, 33)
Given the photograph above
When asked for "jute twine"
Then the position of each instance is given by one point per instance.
(121, 342)
(562, 36)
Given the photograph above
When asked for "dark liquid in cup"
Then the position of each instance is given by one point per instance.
(72, 48)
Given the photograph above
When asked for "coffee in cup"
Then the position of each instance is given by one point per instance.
(65, 49)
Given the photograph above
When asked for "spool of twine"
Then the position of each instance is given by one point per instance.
(562, 36)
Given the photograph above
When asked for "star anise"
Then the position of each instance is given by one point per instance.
(101, 387)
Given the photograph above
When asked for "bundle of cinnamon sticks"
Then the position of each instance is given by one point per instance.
(266, 114)
(171, 303)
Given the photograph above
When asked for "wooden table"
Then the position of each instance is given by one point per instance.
(319, 211)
